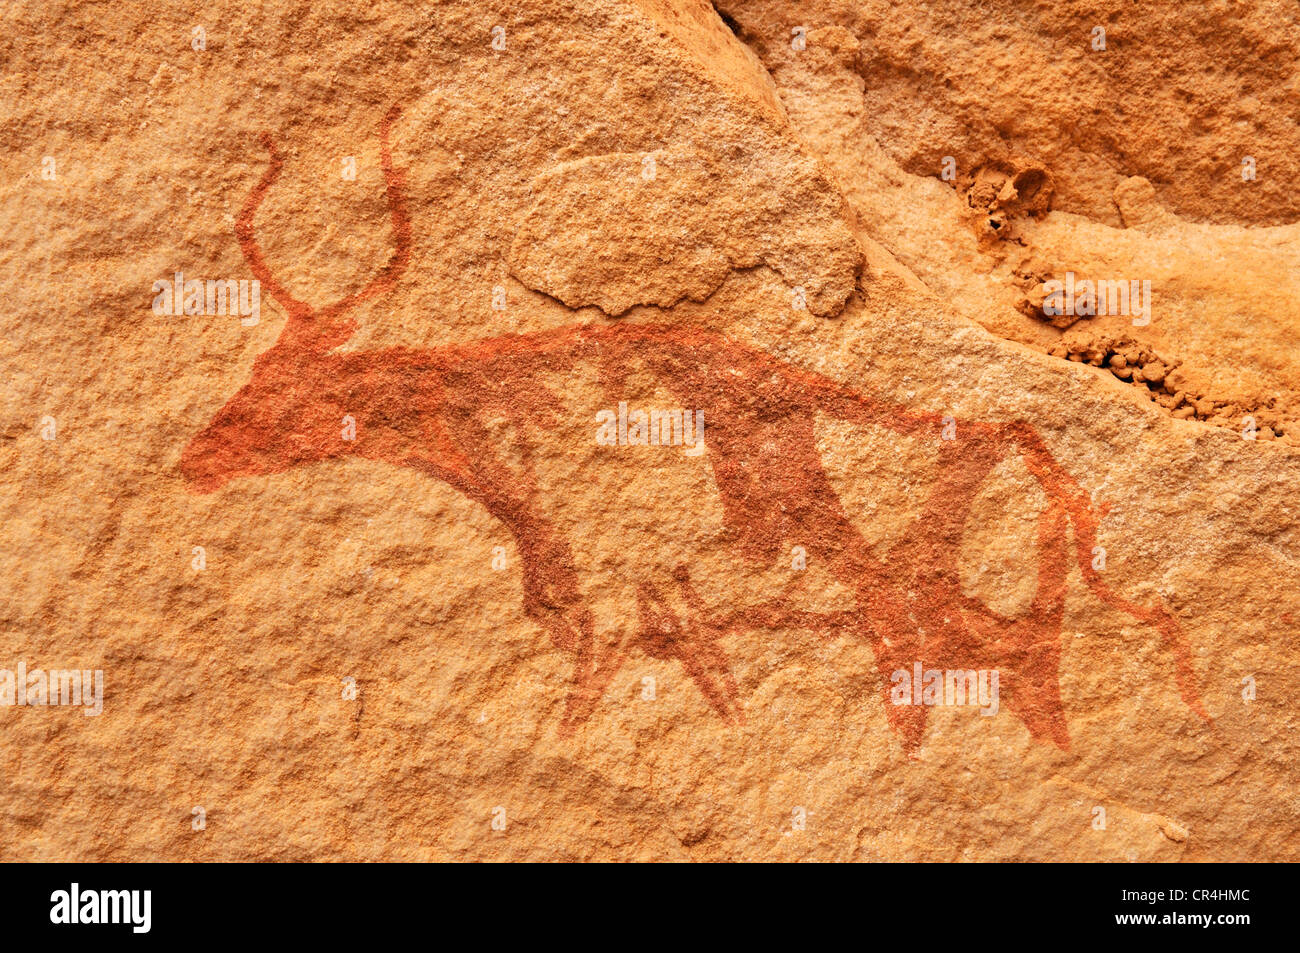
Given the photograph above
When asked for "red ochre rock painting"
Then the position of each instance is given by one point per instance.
(420, 409)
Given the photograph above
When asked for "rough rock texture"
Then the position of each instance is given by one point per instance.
(365, 578)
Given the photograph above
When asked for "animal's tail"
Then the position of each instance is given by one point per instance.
(1061, 486)
(1057, 483)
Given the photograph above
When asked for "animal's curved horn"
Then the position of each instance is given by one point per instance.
(317, 327)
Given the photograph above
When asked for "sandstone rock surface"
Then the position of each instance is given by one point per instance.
(366, 580)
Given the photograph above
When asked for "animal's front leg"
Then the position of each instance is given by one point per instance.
(553, 599)
(692, 639)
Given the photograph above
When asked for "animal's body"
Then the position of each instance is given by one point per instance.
(429, 410)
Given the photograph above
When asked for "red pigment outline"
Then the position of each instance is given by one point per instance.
(762, 448)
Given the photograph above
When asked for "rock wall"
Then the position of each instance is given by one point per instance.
(614, 431)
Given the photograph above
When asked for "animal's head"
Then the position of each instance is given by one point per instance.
(279, 420)
(287, 414)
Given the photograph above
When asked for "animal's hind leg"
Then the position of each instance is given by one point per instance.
(884, 617)
(1034, 652)
(897, 645)
(1059, 485)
